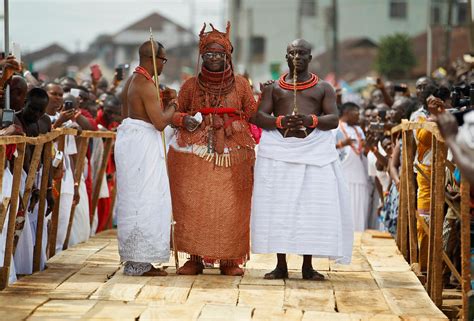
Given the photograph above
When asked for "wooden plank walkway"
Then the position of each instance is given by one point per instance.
(86, 283)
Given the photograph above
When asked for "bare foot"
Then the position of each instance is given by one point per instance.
(311, 274)
(277, 274)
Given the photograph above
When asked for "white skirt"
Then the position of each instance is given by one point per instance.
(143, 194)
(301, 209)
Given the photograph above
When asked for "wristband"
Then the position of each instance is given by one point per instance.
(278, 122)
(315, 121)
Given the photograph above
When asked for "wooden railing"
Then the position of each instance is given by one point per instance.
(42, 154)
(408, 217)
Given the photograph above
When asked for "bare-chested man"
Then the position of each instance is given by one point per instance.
(300, 201)
(143, 197)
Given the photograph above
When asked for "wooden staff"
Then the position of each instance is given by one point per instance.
(157, 85)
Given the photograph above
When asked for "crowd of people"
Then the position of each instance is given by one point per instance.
(372, 157)
(40, 107)
(289, 197)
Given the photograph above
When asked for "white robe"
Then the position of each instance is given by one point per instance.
(67, 192)
(81, 228)
(143, 195)
(300, 201)
(6, 192)
(356, 173)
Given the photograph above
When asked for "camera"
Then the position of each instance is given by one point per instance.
(377, 127)
(68, 105)
(462, 95)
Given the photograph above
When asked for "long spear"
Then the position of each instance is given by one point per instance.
(163, 138)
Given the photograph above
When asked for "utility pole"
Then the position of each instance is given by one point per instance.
(447, 34)
(429, 41)
(335, 51)
(471, 26)
(299, 20)
(6, 26)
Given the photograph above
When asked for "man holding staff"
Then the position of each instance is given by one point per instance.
(300, 200)
(143, 196)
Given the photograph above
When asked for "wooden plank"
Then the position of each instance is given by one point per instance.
(85, 282)
(323, 316)
(107, 255)
(372, 238)
(272, 314)
(385, 259)
(255, 277)
(359, 263)
(47, 158)
(18, 307)
(357, 292)
(215, 289)
(114, 310)
(402, 221)
(41, 283)
(251, 295)
(172, 312)
(100, 175)
(18, 166)
(307, 295)
(172, 289)
(405, 295)
(62, 310)
(55, 215)
(120, 288)
(78, 255)
(98, 134)
(213, 312)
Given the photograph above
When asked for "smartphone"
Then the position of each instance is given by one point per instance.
(402, 88)
(16, 51)
(68, 105)
(95, 72)
(7, 117)
(119, 72)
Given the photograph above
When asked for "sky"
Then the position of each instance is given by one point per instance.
(76, 23)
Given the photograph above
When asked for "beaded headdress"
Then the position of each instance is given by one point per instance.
(215, 36)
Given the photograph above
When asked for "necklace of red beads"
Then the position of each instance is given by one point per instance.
(311, 82)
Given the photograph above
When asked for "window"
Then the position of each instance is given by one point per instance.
(257, 49)
(462, 13)
(398, 9)
(308, 8)
(435, 15)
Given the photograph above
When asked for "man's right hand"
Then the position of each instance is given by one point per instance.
(190, 123)
(64, 116)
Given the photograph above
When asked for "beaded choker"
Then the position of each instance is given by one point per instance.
(142, 71)
(216, 82)
(313, 81)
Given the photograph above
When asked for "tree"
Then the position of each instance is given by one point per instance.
(395, 57)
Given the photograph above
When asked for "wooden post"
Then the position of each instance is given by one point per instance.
(408, 143)
(431, 235)
(100, 175)
(55, 216)
(3, 211)
(437, 219)
(465, 246)
(17, 169)
(47, 158)
(79, 168)
(30, 180)
(402, 208)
